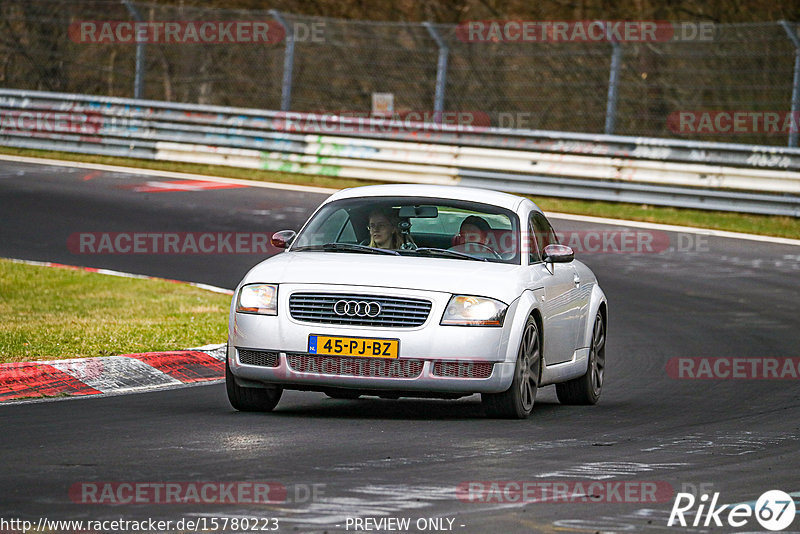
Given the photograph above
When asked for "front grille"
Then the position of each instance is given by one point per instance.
(394, 311)
(463, 369)
(345, 366)
(258, 357)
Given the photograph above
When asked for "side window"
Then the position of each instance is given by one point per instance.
(348, 233)
(544, 232)
(335, 227)
(534, 256)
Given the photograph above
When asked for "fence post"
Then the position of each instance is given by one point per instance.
(441, 72)
(138, 82)
(288, 61)
(613, 82)
(795, 83)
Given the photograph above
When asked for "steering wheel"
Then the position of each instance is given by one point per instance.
(463, 246)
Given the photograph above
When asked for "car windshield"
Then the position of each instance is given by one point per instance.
(413, 226)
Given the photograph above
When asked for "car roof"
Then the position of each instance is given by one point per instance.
(471, 194)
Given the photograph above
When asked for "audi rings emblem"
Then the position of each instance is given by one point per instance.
(353, 308)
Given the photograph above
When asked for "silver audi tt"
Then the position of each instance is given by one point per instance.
(419, 291)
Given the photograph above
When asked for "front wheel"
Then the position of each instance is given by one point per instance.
(586, 389)
(250, 399)
(517, 401)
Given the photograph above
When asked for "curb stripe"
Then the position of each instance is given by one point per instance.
(127, 373)
(22, 380)
(117, 374)
(185, 366)
(183, 185)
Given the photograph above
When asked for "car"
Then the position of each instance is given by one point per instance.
(437, 313)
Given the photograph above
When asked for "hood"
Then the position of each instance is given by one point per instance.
(497, 280)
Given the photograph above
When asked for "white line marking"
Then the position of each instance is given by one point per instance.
(121, 274)
(673, 228)
(167, 174)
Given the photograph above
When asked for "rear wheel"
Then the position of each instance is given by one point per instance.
(250, 399)
(586, 389)
(517, 401)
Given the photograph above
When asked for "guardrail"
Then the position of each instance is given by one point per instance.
(719, 176)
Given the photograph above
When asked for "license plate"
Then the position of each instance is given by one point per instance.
(353, 346)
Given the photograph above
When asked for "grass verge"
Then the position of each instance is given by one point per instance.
(49, 314)
(717, 220)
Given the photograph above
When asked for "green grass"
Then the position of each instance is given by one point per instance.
(734, 222)
(48, 313)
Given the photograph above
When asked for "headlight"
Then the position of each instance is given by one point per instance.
(474, 311)
(258, 298)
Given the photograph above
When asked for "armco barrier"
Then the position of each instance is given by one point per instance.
(753, 179)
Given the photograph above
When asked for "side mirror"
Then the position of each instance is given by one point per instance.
(283, 238)
(558, 254)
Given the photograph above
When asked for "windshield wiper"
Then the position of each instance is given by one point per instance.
(349, 247)
(448, 253)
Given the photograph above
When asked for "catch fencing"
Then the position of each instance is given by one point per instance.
(319, 64)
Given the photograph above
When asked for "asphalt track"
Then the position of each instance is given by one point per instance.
(380, 458)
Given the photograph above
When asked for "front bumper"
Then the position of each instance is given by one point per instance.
(287, 376)
(420, 348)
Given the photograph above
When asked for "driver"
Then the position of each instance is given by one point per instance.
(474, 229)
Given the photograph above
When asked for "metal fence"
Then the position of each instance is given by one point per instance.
(594, 87)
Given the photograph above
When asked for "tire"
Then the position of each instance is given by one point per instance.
(586, 389)
(250, 399)
(343, 395)
(517, 401)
